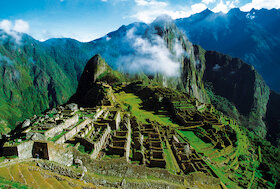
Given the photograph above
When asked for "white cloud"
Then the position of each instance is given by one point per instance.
(104, 0)
(108, 38)
(6, 25)
(208, 1)
(221, 7)
(14, 29)
(216, 67)
(259, 4)
(21, 26)
(18, 26)
(150, 3)
(149, 15)
(196, 8)
(44, 35)
(148, 10)
(150, 56)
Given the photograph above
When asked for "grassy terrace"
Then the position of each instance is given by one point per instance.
(11, 184)
(196, 142)
(218, 157)
(34, 177)
(171, 163)
(206, 149)
(55, 138)
(132, 101)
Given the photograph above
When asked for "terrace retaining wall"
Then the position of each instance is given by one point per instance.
(59, 128)
(73, 132)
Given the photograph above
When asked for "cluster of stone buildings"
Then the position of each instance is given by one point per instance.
(109, 131)
(147, 145)
(49, 136)
(188, 159)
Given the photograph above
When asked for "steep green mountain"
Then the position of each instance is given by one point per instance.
(158, 52)
(89, 92)
(252, 36)
(241, 84)
(36, 76)
(53, 68)
(129, 133)
(70, 55)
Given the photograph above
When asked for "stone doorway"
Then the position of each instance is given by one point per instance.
(40, 150)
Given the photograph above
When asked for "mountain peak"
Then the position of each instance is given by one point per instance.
(94, 68)
(206, 12)
(235, 12)
(163, 20)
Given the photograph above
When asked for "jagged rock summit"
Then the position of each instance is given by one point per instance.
(93, 69)
(90, 91)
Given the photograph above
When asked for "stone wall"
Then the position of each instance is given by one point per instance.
(60, 154)
(25, 150)
(99, 144)
(128, 139)
(73, 132)
(117, 119)
(98, 113)
(59, 128)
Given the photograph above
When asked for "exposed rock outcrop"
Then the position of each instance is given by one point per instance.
(89, 92)
(192, 64)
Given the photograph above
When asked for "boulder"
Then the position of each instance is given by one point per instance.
(72, 106)
(26, 123)
(37, 136)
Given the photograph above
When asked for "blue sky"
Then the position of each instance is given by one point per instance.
(86, 20)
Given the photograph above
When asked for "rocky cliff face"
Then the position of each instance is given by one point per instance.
(241, 84)
(89, 92)
(192, 65)
(193, 71)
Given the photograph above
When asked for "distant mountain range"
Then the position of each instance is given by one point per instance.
(36, 76)
(252, 36)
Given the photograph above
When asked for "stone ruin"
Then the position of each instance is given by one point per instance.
(108, 131)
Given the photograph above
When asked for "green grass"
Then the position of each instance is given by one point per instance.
(82, 149)
(196, 142)
(205, 148)
(131, 100)
(55, 138)
(11, 184)
(169, 162)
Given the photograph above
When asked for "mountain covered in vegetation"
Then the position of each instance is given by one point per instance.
(46, 74)
(130, 132)
(36, 76)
